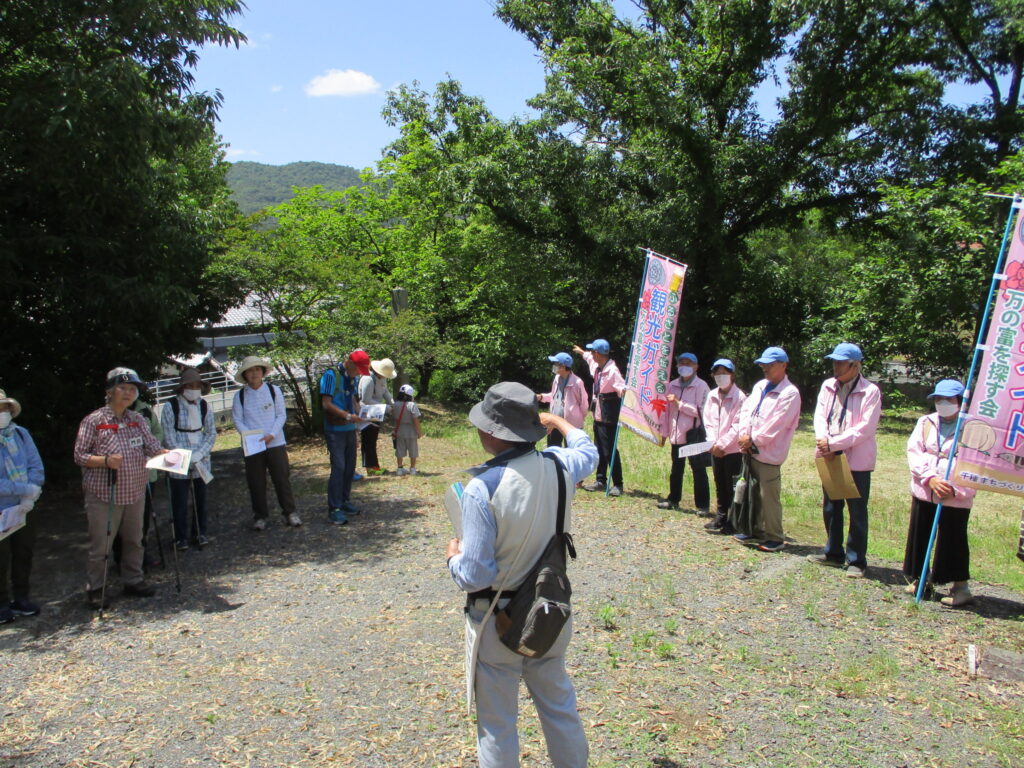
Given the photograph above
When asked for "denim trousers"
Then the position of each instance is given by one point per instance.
(856, 550)
(183, 521)
(342, 448)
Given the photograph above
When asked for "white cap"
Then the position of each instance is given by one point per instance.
(406, 389)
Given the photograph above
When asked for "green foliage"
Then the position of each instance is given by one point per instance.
(112, 196)
(255, 186)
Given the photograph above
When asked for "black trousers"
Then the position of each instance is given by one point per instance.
(604, 437)
(555, 439)
(701, 489)
(952, 558)
(725, 469)
(16, 557)
(368, 440)
(274, 461)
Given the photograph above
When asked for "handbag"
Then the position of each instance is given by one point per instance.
(697, 434)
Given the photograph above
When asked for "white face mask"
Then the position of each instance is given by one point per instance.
(723, 380)
(5, 419)
(556, 368)
(945, 408)
(685, 371)
(192, 395)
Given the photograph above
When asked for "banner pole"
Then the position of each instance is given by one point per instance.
(982, 332)
(632, 339)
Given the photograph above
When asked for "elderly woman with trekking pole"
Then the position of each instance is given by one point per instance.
(112, 446)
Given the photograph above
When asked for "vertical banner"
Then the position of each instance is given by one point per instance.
(650, 356)
(990, 456)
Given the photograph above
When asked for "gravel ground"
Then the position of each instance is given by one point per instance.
(331, 645)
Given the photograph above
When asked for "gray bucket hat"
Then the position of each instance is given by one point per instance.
(509, 412)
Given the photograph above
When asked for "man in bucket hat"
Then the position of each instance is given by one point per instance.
(500, 545)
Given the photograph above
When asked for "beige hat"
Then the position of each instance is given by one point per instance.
(192, 376)
(15, 405)
(251, 362)
(385, 367)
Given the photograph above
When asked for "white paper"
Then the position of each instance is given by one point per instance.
(204, 474)
(453, 504)
(252, 442)
(694, 449)
(11, 519)
(176, 462)
(373, 412)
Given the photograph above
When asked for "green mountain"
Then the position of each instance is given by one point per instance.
(257, 185)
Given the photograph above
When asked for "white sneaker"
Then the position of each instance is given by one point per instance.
(412, 470)
(260, 524)
(401, 471)
(294, 520)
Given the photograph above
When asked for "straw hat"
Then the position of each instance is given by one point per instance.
(191, 376)
(15, 405)
(251, 362)
(385, 368)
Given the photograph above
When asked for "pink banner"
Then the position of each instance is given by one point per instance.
(990, 456)
(650, 357)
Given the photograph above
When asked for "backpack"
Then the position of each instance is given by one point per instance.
(203, 408)
(538, 610)
(241, 397)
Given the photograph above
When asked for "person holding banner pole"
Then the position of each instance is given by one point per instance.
(720, 415)
(608, 388)
(767, 422)
(845, 421)
(686, 397)
(928, 451)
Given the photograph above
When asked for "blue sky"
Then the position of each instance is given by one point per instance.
(311, 82)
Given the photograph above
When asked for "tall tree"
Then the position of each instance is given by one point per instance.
(112, 194)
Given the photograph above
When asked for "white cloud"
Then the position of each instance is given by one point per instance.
(342, 82)
(232, 153)
(276, 88)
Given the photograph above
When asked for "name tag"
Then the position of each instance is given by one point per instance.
(135, 442)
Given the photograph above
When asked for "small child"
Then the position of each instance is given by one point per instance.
(407, 429)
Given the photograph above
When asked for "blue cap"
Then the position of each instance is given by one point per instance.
(773, 355)
(947, 388)
(846, 351)
(687, 356)
(562, 358)
(600, 345)
(725, 362)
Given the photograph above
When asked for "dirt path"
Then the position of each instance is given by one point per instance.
(342, 646)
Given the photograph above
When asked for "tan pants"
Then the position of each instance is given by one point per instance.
(769, 476)
(126, 521)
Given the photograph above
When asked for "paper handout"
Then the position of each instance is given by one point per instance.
(694, 449)
(252, 442)
(453, 505)
(836, 478)
(176, 462)
(373, 412)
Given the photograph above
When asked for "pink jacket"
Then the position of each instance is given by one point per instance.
(685, 413)
(856, 435)
(575, 401)
(928, 459)
(720, 415)
(611, 381)
(772, 425)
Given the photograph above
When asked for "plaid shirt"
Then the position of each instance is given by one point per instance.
(101, 433)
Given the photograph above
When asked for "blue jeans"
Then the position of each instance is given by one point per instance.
(342, 448)
(856, 549)
(180, 508)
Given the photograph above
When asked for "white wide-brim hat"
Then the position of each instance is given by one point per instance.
(251, 362)
(15, 405)
(385, 368)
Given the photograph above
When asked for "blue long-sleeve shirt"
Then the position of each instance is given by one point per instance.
(29, 460)
(476, 566)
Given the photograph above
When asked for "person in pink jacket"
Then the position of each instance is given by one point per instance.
(928, 454)
(686, 395)
(568, 396)
(767, 422)
(845, 420)
(721, 412)
(608, 389)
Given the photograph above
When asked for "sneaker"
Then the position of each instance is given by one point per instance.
(356, 476)
(23, 607)
(294, 520)
(412, 470)
(855, 572)
(260, 524)
(743, 538)
(615, 491)
(666, 504)
(597, 485)
(337, 516)
(142, 589)
(823, 559)
(703, 512)
(94, 599)
(958, 597)
(351, 508)
(771, 546)
(202, 541)
(401, 471)
(181, 546)
(6, 616)
(713, 526)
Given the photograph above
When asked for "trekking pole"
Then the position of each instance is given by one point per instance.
(174, 537)
(112, 482)
(195, 512)
(156, 526)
